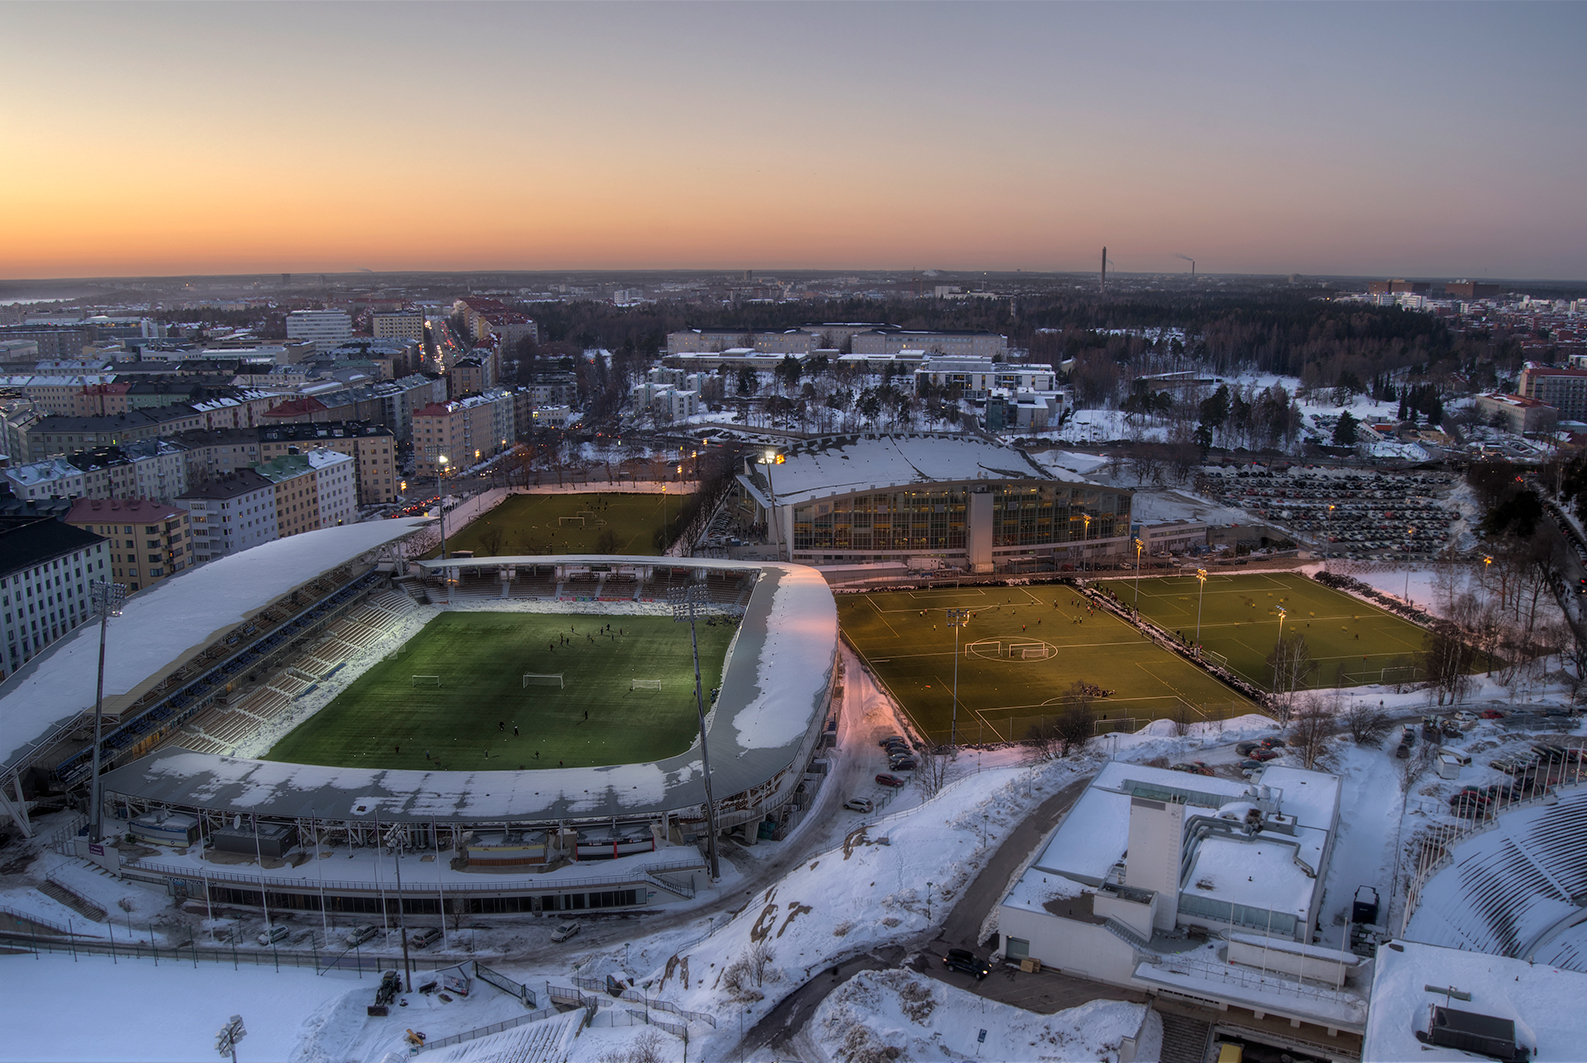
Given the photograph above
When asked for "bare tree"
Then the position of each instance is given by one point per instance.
(1447, 661)
(932, 772)
(1311, 727)
(1365, 723)
(760, 957)
(1076, 719)
(1291, 666)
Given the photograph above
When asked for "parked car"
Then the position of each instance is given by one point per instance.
(898, 747)
(1273, 743)
(273, 934)
(1464, 715)
(423, 939)
(890, 738)
(966, 962)
(903, 764)
(1265, 753)
(361, 934)
(1249, 764)
(563, 931)
(859, 804)
(1469, 804)
(1243, 748)
(889, 780)
(1492, 714)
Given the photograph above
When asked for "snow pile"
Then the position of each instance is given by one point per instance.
(877, 1013)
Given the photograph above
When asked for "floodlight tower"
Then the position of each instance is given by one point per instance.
(107, 599)
(1139, 546)
(1201, 595)
(684, 601)
(768, 459)
(957, 618)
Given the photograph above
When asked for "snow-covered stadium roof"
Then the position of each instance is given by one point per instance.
(773, 693)
(169, 622)
(838, 465)
(1516, 890)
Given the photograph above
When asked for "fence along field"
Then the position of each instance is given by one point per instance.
(517, 691)
(1351, 641)
(1021, 652)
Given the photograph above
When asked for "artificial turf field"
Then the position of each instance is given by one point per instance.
(534, 524)
(1351, 641)
(1021, 651)
(384, 721)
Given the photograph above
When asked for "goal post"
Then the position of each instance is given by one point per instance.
(427, 681)
(644, 684)
(571, 522)
(543, 679)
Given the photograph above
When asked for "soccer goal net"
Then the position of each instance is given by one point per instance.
(1038, 652)
(426, 680)
(644, 684)
(543, 679)
(572, 522)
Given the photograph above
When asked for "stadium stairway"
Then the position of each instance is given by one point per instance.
(1185, 1039)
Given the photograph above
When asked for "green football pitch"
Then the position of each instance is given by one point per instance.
(1351, 641)
(1021, 651)
(571, 524)
(482, 716)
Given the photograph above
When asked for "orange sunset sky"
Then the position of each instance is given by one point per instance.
(1340, 138)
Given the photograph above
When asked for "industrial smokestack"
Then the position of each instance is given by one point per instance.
(1104, 284)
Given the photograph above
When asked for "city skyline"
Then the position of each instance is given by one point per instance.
(1323, 139)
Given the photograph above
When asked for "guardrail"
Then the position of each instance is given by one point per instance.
(493, 1028)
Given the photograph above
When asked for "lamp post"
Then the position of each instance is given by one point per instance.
(684, 601)
(1409, 534)
(1139, 546)
(1278, 655)
(107, 598)
(1328, 534)
(957, 618)
(440, 506)
(1085, 540)
(1201, 577)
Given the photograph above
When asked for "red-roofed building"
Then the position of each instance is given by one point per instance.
(299, 410)
(149, 540)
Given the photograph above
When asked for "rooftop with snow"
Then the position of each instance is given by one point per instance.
(836, 465)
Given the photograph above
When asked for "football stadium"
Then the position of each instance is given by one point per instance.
(525, 728)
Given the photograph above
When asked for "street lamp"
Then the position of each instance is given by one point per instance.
(684, 601)
(440, 473)
(107, 598)
(1410, 533)
(1085, 538)
(1278, 655)
(1139, 546)
(1328, 534)
(1201, 576)
(957, 618)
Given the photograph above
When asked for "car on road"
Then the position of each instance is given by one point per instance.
(859, 804)
(889, 780)
(966, 962)
(274, 934)
(563, 931)
(1273, 743)
(423, 939)
(1244, 748)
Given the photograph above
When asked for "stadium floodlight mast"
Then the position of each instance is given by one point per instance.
(1410, 533)
(1201, 595)
(440, 508)
(1279, 656)
(683, 601)
(957, 618)
(107, 598)
(1085, 541)
(1139, 546)
(768, 459)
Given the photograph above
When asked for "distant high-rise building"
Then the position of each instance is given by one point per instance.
(397, 325)
(323, 328)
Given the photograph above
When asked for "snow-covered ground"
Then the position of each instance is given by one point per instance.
(866, 881)
(926, 1019)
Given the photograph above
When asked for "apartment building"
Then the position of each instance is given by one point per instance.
(149, 468)
(335, 486)
(774, 341)
(149, 541)
(372, 447)
(297, 497)
(49, 436)
(230, 513)
(463, 432)
(58, 394)
(979, 376)
(397, 325)
(1563, 389)
(213, 453)
(323, 328)
(45, 571)
(471, 375)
